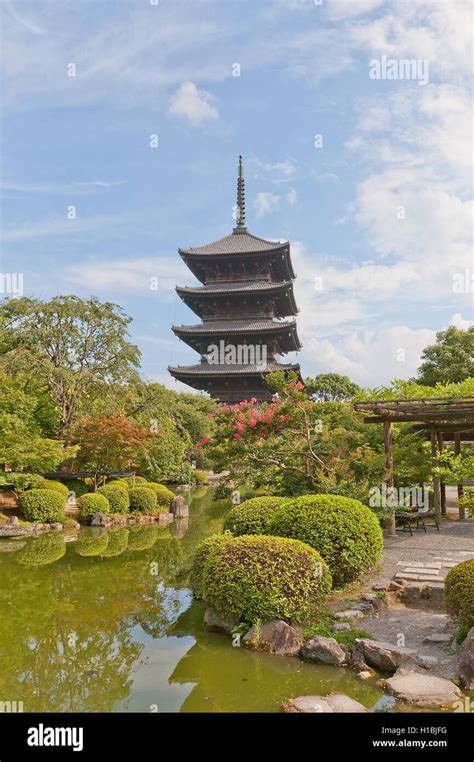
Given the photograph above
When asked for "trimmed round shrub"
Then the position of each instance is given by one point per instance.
(201, 556)
(134, 481)
(142, 538)
(118, 541)
(164, 495)
(43, 550)
(253, 516)
(142, 499)
(118, 483)
(459, 592)
(260, 577)
(43, 505)
(92, 545)
(117, 496)
(199, 477)
(91, 503)
(56, 486)
(345, 532)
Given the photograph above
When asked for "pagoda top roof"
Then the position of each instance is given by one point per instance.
(240, 241)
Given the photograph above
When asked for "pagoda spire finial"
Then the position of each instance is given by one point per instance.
(240, 198)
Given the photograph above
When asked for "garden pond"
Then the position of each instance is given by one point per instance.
(103, 621)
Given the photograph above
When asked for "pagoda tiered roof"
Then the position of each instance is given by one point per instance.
(247, 284)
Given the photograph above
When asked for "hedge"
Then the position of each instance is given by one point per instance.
(345, 532)
(459, 592)
(259, 577)
(56, 486)
(118, 483)
(91, 503)
(134, 481)
(42, 505)
(43, 550)
(142, 499)
(253, 516)
(201, 556)
(164, 495)
(117, 496)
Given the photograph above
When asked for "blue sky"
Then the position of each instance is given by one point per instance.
(381, 213)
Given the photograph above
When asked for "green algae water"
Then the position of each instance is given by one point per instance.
(104, 621)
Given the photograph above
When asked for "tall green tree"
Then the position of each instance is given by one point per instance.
(70, 344)
(330, 387)
(450, 359)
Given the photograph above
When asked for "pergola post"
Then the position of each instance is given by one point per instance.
(387, 440)
(457, 451)
(436, 482)
(442, 484)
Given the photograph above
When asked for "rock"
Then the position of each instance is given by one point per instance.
(423, 690)
(341, 627)
(380, 586)
(274, 636)
(13, 521)
(411, 593)
(324, 651)
(364, 674)
(100, 520)
(179, 507)
(383, 656)
(395, 587)
(427, 662)
(349, 614)
(332, 704)
(374, 600)
(466, 662)
(216, 623)
(56, 526)
(439, 638)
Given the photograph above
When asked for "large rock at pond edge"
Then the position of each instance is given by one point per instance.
(216, 623)
(179, 507)
(274, 636)
(324, 651)
(332, 704)
(466, 662)
(383, 656)
(423, 690)
(100, 520)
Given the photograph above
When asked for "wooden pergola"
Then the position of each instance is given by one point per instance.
(439, 419)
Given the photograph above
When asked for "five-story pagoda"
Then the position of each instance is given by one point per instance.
(246, 295)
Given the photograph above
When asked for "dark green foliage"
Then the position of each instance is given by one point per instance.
(57, 486)
(450, 359)
(201, 556)
(92, 545)
(330, 387)
(142, 499)
(117, 496)
(459, 592)
(41, 550)
(257, 577)
(91, 503)
(345, 532)
(20, 482)
(142, 538)
(252, 516)
(43, 505)
(77, 486)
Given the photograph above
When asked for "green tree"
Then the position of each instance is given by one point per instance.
(330, 387)
(68, 343)
(450, 359)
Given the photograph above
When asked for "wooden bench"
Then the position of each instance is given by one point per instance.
(415, 517)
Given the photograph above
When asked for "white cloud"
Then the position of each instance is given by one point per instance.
(292, 197)
(197, 106)
(459, 322)
(266, 203)
(125, 275)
